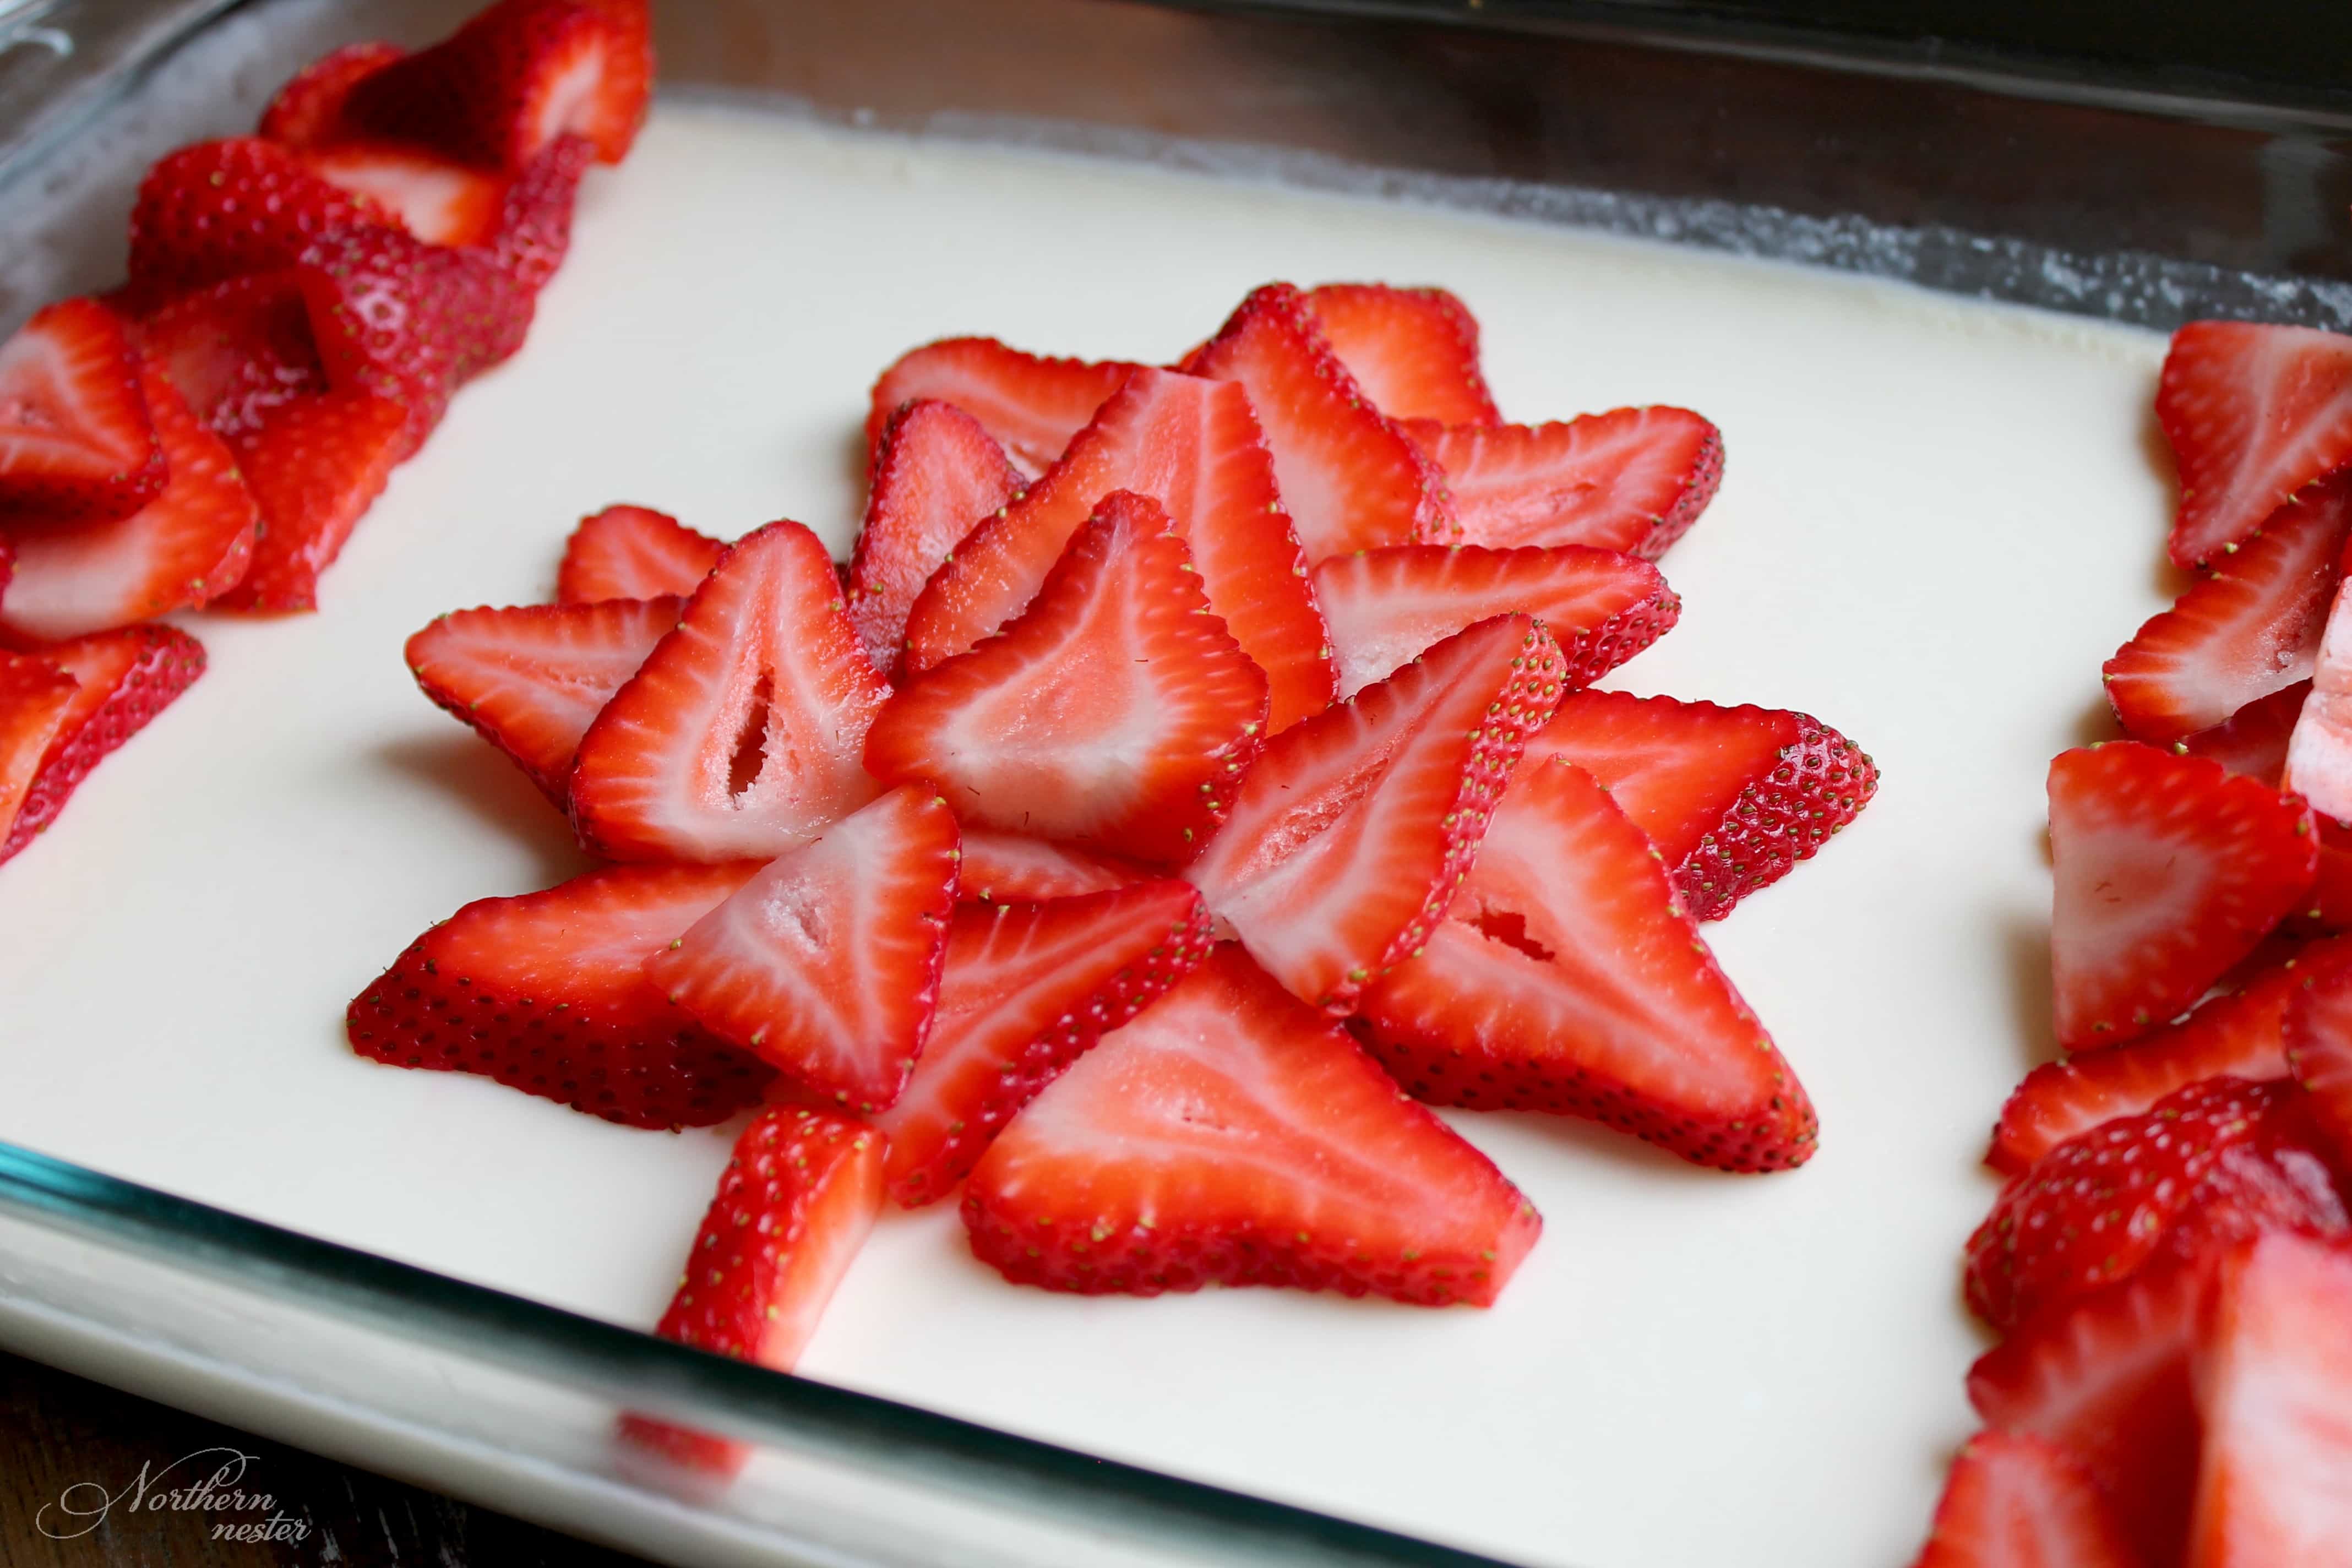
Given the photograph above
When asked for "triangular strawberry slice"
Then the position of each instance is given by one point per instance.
(236, 350)
(1115, 711)
(547, 993)
(1193, 446)
(1351, 835)
(186, 547)
(124, 679)
(218, 210)
(2241, 634)
(308, 109)
(35, 697)
(2318, 1048)
(2320, 750)
(626, 92)
(77, 441)
(2169, 870)
(531, 679)
(1351, 480)
(2254, 740)
(1384, 606)
(1732, 797)
(633, 552)
(1124, 1174)
(512, 79)
(435, 199)
(936, 473)
(1023, 991)
(1414, 351)
(744, 733)
(316, 464)
(1030, 405)
(827, 962)
(1565, 979)
(2254, 413)
(1015, 868)
(1631, 479)
(2015, 1501)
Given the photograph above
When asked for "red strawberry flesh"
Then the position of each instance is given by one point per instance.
(633, 552)
(2254, 413)
(1030, 405)
(77, 441)
(936, 474)
(1632, 480)
(1414, 351)
(2013, 1500)
(124, 679)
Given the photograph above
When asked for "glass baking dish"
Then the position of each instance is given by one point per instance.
(2131, 197)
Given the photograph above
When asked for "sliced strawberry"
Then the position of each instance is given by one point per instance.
(1015, 868)
(1351, 836)
(1384, 606)
(743, 734)
(937, 473)
(626, 91)
(1030, 405)
(316, 464)
(530, 679)
(2274, 1385)
(2253, 415)
(185, 547)
(2169, 870)
(77, 441)
(546, 993)
(123, 679)
(1731, 797)
(827, 962)
(1115, 711)
(1122, 1176)
(1349, 478)
(2241, 634)
(513, 78)
(236, 350)
(1565, 979)
(2317, 1046)
(1414, 351)
(438, 201)
(1193, 446)
(1025, 990)
(2320, 750)
(219, 210)
(2013, 1500)
(2254, 740)
(533, 231)
(1631, 479)
(35, 697)
(633, 552)
(309, 111)
(792, 1208)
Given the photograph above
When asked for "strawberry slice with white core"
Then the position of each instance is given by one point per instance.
(1025, 990)
(2274, 1385)
(1115, 711)
(827, 962)
(1015, 868)
(937, 473)
(2169, 870)
(308, 109)
(1231, 1135)
(2254, 413)
(124, 679)
(77, 442)
(743, 734)
(2317, 1046)
(1193, 446)
(2254, 740)
(1632, 480)
(2319, 751)
(316, 464)
(1414, 351)
(515, 76)
(1349, 478)
(1350, 836)
(2241, 634)
(633, 552)
(35, 697)
(1384, 606)
(238, 349)
(434, 199)
(532, 678)
(1031, 404)
(1565, 979)
(2015, 1501)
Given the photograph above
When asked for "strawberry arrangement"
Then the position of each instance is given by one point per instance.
(2170, 1261)
(301, 304)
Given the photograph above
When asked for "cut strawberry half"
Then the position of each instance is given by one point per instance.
(2253, 415)
(1115, 711)
(122, 679)
(1193, 446)
(1414, 351)
(1349, 478)
(2317, 1046)
(1385, 607)
(2169, 870)
(1565, 979)
(533, 231)
(238, 349)
(547, 993)
(2241, 634)
(35, 697)
(532, 678)
(219, 210)
(513, 78)
(2254, 740)
(743, 734)
(188, 546)
(1013, 868)
(2320, 750)
(309, 111)
(1731, 797)
(316, 464)
(1632, 480)
(77, 441)
(937, 473)
(2013, 1500)
(1025, 989)
(438, 201)
(1123, 1176)
(827, 962)
(1030, 405)
(627, 91)
(1349, 839)
(633, 552)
